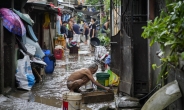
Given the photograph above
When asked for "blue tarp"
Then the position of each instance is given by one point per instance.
(108, 60)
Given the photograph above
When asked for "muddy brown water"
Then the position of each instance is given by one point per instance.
(49, 91)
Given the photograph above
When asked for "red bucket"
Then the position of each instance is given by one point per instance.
(58, 54)
(65, 105)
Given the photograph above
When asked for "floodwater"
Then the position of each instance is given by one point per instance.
(47, 94)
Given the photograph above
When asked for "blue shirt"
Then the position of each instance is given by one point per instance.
(76, 28)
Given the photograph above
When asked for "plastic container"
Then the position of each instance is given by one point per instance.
(89, 85)
(58, 54)
(71, 101)
(74, 50)
(103, 79)
(63, 43)
(95, 41)
(60, 40)
(49, 59)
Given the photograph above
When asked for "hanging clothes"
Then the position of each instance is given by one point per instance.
(47, 21)
(66, 17)
(58, 21)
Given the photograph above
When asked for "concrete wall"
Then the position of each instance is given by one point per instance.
(176, 74)
(153, 59)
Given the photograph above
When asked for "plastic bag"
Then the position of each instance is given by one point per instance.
(108, 60)
(113, 79)
(24, 74)
(100, 52)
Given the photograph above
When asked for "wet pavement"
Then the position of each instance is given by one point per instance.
(47, 95)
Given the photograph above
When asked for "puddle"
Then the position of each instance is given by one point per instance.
(13, 103)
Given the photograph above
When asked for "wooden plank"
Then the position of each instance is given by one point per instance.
(1, 58)
(51, 38)
(97, 97)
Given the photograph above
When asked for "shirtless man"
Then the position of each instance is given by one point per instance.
(81, 77)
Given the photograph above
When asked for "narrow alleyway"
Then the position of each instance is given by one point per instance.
(47, 95)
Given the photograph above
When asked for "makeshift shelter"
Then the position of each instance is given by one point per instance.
(8, 49)
(45, 16)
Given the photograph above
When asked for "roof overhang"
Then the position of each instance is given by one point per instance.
(88, 13)
(42, 6)
(66, 5)
(18, 4)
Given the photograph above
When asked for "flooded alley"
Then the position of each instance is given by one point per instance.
(47, 94)
(91, 55)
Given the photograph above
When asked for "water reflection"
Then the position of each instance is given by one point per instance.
(50, 91)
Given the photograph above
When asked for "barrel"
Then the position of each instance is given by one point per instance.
(74, 50)
(103, 79)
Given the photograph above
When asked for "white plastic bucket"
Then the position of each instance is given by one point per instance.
(71, 101)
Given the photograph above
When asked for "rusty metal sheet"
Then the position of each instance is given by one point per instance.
(126, 83)
(116, 53)
(121, 56)
(122, 62)
(126, 77)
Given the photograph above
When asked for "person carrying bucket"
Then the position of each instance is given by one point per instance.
(81, 77)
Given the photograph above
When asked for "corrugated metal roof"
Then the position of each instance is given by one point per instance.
(41, 6)
(37, 1)
(66, 5)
